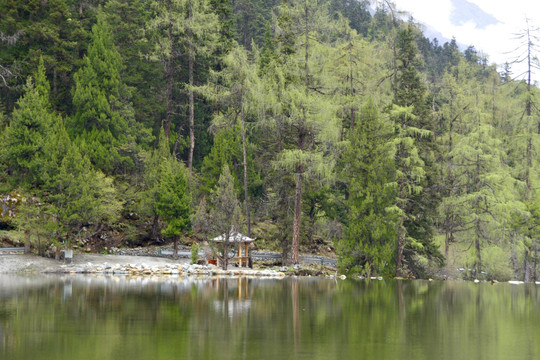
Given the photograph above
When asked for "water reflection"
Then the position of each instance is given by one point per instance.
(82, 317)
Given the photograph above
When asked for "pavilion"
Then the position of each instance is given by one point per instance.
(243, 242)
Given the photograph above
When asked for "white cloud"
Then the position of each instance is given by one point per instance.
(495, 40)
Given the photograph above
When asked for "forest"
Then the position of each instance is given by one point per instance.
(314, 126)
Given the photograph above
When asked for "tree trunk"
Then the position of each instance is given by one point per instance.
(225, 254)
(535, 262)
(55, 88)
(175, 247)
(478, 251)
(191, 96)
(297, 215)
(401, 243)
(155, 228)
(169, 78)
(246, 193)
(447, 235)
(312, 213)
(526, 267)
(27, 242)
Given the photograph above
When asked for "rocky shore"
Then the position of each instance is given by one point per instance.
(121, 265)
(153, 270)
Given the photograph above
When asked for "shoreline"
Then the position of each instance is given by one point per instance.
(101, 264)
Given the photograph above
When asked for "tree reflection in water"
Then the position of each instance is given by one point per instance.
(299, 318)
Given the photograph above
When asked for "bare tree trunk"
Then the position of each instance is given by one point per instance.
(401, 243)
(27, 242)
(447, 235)
(155, 226)
(478, 250)
(246, 193)
(55, 88)
(175, 247)
(526, 267)
(312, 212)
(297, 215)
(169, 78)
(191, 96)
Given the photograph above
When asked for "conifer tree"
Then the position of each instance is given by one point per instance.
(370, 239)
(128, 20)
(237, 88)
(184, 27)
(173, 200)
(103, 122)
(299, 79)
(153, 173)
(414, 139)
(22, 149)
(225, 217)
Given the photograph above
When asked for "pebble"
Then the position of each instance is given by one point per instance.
(162, 270)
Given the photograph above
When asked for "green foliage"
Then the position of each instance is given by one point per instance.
(83, 196)
(227, 149)
(103, 123)
(496, 264)
(370, 239)
(24, 139)
(195, 253)
(225, 213)
(225, 216)
(173, 200)
(453, 153)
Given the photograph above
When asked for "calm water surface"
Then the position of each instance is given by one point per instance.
(121, 318)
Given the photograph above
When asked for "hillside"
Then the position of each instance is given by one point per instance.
(315, 126)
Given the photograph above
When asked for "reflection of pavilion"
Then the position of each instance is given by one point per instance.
(234, 305)
(243, 243)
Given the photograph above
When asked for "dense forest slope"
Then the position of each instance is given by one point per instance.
(307, 124)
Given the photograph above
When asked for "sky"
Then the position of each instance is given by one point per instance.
(490, 25)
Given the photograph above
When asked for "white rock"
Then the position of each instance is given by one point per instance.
(515, 282)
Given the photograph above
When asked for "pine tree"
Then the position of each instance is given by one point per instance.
(149, 197)
(416, 150)
(225, 214)
(25, 137)
(103, 123)
(191, 28)
(173, 200)
(128, 20)
(370, 239)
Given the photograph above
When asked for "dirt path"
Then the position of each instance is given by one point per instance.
(36, 264)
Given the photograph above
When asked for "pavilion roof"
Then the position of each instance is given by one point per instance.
(234, 237)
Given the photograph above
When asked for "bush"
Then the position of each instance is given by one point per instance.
(496, 264)
(195, 253)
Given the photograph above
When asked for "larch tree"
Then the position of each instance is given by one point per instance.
(301, 77)
(236, 88)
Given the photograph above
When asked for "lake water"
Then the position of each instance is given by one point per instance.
(81, 318)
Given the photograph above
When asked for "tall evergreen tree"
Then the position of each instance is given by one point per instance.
(225, 215)
(173, 200)
(370, 239)
(103, 123)
(22, 150)
(414, 139)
